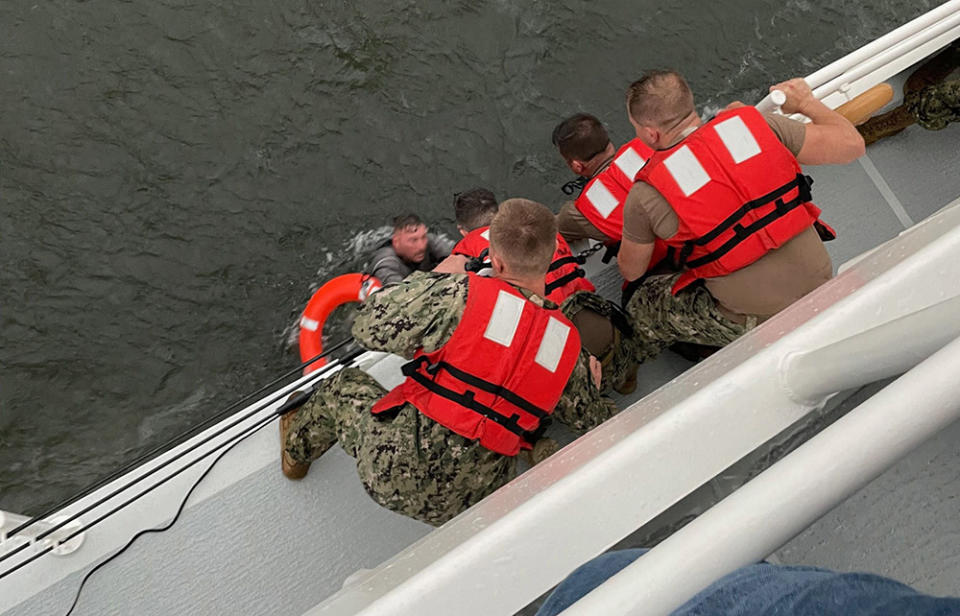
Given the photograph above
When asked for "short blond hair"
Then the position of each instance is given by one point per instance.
(524, 235)
(659, 98)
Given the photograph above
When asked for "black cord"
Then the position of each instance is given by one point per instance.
(167, 445)
(283, 409)
(129, 484)
(183, 504)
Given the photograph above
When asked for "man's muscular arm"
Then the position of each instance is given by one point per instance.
(830, 138)
(634, 258)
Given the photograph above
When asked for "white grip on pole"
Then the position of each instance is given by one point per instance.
(772, 102)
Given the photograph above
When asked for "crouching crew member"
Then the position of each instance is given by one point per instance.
(604, 328)
(730, 200)
(475, 209)
(606, 177)
(492, 361)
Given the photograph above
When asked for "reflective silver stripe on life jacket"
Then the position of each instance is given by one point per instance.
(552, 344)
(686, 170)
(505, 318)
(601, 198)
(630, 163)
(737, 138)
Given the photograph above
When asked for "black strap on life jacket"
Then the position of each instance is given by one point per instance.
(562, 280)
(558, 263)
(466, 399)
(801, 183)
(570, 276)
(611, 251)
(475, 264)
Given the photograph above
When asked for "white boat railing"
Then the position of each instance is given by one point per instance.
(886, 56)
(866, 357)
(775, 506)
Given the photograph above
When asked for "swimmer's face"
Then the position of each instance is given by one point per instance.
(410, 243)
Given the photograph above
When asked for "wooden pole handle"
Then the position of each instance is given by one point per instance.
(862, 107)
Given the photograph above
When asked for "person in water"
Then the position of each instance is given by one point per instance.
(604, 329)
(732, 204)
(491, 360)
(411, 248)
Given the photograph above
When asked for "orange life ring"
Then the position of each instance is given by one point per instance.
(335, 292)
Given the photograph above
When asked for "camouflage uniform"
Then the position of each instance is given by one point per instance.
(619, 359)
(662, 318)
(928, 100)
(935, 106)
(408, 462)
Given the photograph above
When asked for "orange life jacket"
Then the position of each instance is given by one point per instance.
(601, 200)
(564, 276)
(737, 191)
(500, 374)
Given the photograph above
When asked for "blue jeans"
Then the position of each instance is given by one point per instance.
(763, 589)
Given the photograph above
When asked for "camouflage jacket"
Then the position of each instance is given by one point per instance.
(421, 313)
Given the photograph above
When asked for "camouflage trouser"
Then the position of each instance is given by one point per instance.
(662, 318)
(935, 106)
(619, 363)
(407, 463)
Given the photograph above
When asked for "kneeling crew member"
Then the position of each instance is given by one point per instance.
(491, 361)
(606, 176)
(475, 209)
(604, 329)
(733, 205)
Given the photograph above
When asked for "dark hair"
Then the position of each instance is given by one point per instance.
(580, 137)
(659, 98)
(524, 235)
(406, 221)
(474, 208)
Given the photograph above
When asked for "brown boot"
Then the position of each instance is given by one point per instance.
(290, 467)
(885, 125)
(629, 383)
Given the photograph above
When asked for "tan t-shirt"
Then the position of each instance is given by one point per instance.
(767, 285)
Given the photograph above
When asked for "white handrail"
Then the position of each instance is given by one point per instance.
(890, 349)
(868, 51)
(908, 36)
(885, 57)
(768, 511)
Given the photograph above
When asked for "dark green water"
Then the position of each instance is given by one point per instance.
(176, 176)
